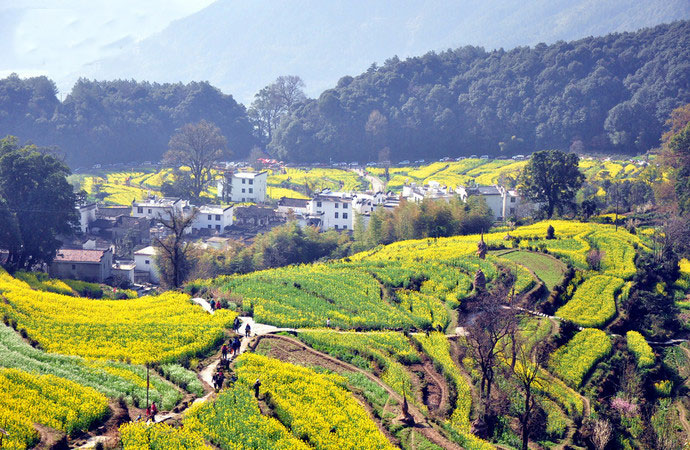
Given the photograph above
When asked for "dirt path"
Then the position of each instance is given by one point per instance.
(422, 425)
(682, 415)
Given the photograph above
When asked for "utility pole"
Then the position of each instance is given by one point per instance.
(147, 385)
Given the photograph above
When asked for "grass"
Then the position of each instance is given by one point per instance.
(548, 269)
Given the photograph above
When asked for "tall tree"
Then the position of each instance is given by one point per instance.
(492, 324)
(528, 373)
(197, 146)
(273, 102)
(173, 251)
(36, 204)
(552, 177)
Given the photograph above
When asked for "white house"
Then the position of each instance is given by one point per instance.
(158, 208)
(145, 265)
(296, 206)
(87, 215)
(334, 209)
(243, 186)
(213, 217)
(503, 203)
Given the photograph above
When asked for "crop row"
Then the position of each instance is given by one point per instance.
(316, 407)
(574, 360)
(640, 348)
(233, 421)
(387, 350)
(50, 401)
(142, 330)
(594, 301)
(107, 377)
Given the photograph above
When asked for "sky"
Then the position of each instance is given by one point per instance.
(51, 37)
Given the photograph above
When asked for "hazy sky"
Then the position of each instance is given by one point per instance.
(53, 37)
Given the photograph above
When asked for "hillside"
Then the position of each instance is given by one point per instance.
(322, 41)
(605, 94)
(599, 94)
(399, 324)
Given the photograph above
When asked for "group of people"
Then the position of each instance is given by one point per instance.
(218, 379)
(215, 305)
(151, 412)
(232, 348)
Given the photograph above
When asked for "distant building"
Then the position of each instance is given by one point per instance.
(504, 203)
(113, 211)
(295, 206)
(158, 208)
(243, 186)
(124, 270)
(213, 217)
(334, 209)
(146, 269)
(86, 265)
(87, 215)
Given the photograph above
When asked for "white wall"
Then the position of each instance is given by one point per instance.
(331, 207)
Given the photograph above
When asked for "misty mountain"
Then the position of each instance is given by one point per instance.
(241, 46)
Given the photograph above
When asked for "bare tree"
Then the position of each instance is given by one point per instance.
(601, 433)
(492, 324)
(173, 250)
(528, 373)
(197, 146)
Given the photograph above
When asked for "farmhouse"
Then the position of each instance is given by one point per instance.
(158, 208)
(145, 266)
(213, 217)
(243, 186)
(86, 265)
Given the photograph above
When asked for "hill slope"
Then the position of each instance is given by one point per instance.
(241, 46)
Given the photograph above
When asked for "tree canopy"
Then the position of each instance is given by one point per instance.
(197, 146)
(604, 94)
(36, 205)
(553, 178)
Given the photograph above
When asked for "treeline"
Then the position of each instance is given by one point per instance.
(116, 121)
(599, 94)
(603, 94)
(290, 244)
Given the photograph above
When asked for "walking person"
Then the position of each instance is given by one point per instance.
(154, 411)
(257, 385)
(247, 331)
(224, 352)
(236, 344)
(236, 324)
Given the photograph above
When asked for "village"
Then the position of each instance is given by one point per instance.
(115, 245)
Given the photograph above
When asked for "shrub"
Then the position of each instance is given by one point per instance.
(550, 232)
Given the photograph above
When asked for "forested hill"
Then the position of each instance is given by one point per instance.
(117, 121)
(609, 94)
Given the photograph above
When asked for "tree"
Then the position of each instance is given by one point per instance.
(197, 146)
(36, 205)
(490, 327)
(527, 371)
(273, 102)
(552, 177)
(173, 252)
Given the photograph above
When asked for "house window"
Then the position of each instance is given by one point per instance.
(512, 210)
(336, 215)
(344, 205)
(244, 181)
(251, 190)
(217, 217)
(146, 261)
(209, 227)
(344, 215)
(251, 181)
(336, 205)
(336, 227)
(344, 227)
(140, 210)
(74, 267)
(149, 210)
(209, 217)
(244, 190)
(218, 227)
(512, 199)
(243, 199)
(318, 204)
